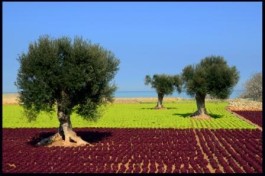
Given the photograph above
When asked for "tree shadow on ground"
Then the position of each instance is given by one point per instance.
(93, 136)
(88, 136)
(171, 108)
(215, 116)
(185, 115)
(165, 108)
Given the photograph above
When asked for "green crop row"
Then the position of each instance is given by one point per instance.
(136, 116)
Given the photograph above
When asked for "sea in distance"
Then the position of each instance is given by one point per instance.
(149, 94)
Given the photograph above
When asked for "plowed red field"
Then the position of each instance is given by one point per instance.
(136, 151)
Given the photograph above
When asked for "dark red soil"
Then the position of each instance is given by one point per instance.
(253, 116)
(136, 151)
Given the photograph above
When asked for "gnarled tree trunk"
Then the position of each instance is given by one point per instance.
(160, 101)
(200, 101)
(65, 132)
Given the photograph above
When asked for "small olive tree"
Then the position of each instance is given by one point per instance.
(70, 75)
(253, 88)
(164, 85)
(212, 76)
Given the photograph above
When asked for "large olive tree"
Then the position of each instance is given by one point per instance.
(69, 75)
(211, 76)
(164, 85)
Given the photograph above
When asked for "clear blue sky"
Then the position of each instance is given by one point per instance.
(147, 37)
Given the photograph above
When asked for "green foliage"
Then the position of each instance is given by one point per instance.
(73, 74)
(211, 76)
(177, 82)
(253, 88)
(137, 116)
(164, 84)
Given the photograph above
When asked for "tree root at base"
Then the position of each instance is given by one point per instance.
(161, 107)
(72, 140)
(200, 115)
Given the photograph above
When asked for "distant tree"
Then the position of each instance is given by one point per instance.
(253, 88)
(164, 85)
(211, 76)
(71, 75)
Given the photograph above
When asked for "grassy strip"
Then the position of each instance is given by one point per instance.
(138, 115)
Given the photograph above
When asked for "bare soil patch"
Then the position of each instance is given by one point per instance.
(244, 105)
(10, 99)
(13, 99)
(144, 100)
(234, 104)
(202, 116)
